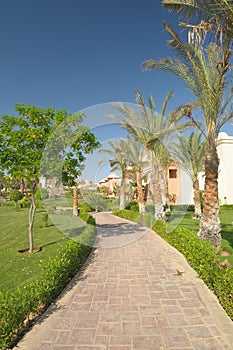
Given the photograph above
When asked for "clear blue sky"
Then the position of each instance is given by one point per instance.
(74, 54)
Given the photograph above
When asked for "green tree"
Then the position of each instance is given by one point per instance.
(204, 70)
(152, 130)
(189, 154)
(24, 138)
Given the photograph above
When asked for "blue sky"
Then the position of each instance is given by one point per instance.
(74, 54)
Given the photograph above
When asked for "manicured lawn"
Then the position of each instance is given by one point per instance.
(226, 217)
(17, 269)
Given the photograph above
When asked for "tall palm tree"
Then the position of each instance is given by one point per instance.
(189, 154)
(135, 154)
(117, 160)
(152, 130)
(214, 16)
(204, 70)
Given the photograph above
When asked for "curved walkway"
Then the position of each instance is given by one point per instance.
(131, 298)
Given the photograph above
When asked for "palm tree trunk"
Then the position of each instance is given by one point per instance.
(210, 228)
(122, 193)
(156, 190)
(197, 202)
(75, 202)
(32, 211)
(140, 192)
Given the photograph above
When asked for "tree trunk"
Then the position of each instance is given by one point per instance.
(156, 190)
(210, 227)
(197, 202)
(32, 211)
(122, 193)
(140, 192)
(75, 202)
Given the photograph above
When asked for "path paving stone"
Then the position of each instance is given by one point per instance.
(128, 297)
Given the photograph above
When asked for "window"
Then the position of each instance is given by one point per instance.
(172, 173)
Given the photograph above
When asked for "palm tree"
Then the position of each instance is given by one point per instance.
(118, 161)
(215, 16)
(152, 130)
(205, 73)
(189, 153)
(135, 154)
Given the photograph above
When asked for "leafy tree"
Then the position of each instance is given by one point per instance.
(23, 143)
(189, 153)
(204, 70)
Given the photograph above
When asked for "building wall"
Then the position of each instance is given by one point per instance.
(225, 179)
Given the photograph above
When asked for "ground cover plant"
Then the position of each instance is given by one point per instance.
(30, 282)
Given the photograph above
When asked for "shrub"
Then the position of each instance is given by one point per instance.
(15, 196)
(132, 205)
(127, 214)
(227, 207)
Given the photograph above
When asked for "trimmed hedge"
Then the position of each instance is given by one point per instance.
(19, 308)
(205, 261)
(127, 214)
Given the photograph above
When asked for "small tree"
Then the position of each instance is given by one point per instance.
(23, 142)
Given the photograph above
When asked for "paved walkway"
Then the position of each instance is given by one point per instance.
(131, 298)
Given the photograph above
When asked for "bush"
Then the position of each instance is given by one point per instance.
(15, 196)
(88, 218)
(132, 205)
(203, 258)
(227, 207)
(19, 307)
(127, 214)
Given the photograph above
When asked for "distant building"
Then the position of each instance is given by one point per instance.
(110, 182)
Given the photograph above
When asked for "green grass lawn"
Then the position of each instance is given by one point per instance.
(226, 217)
(17, 269)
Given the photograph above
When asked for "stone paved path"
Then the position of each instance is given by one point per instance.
(130, 298)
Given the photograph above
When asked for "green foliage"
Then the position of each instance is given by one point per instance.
(84, 206)
(88, 218)
(41, 193)
(7, 204)
(21, 305)
(96, 202)
(227, 207)
(127, 214)
(24, 202)
(132, 205)
(43, 141)
(15, 195)
(204, 259)
(147, 219)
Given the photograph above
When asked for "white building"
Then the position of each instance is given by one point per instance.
(225, 177)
